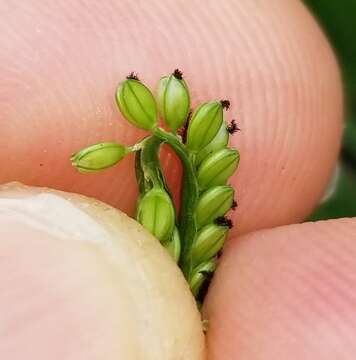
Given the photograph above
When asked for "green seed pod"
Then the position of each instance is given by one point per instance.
(173, 246)
(173, 100)
(98, 157)
(137, 104)
(220, 141)
(213, 203)
(156, 213)
(200, 274)
(209, 241)
(217, 168)
(204, 125)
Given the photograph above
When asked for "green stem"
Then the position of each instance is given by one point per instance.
(150, 165)
(189, 200)
(140, 177)
(148, 168)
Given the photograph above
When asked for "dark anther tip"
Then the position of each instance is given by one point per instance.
(132, 76)
(224, 221)
(225, 104)
(178, 74)
(232, 127)
(234, 205)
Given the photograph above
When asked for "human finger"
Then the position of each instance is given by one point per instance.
(61, 63)
(286, 293)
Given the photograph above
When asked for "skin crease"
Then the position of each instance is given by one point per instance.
(60, 64)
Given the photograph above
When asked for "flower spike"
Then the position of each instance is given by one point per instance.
(195, 236)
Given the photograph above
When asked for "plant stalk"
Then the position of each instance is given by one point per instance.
(189, 200)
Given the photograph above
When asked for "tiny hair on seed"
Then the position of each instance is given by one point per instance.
(225, 104)
(178, 74)
(132, 76)
(224, 221)
(232, 127)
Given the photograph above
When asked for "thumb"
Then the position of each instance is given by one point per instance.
(286, 293)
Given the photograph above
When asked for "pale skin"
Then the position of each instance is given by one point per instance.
(285, 293)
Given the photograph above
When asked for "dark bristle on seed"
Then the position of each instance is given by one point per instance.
(132, 76)
(178, 74)
(234, 205)
(232, 127)
(224, 221)
(225, 104)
